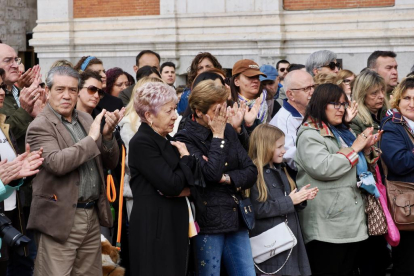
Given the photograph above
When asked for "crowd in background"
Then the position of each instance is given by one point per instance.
(208, 168)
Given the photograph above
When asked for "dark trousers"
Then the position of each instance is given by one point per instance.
(331, 259)
(403, 255)
(374, 257)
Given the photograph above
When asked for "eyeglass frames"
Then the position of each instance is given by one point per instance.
(338, 105)
(305, 89)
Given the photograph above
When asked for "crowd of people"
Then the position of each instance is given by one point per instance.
(209, 173)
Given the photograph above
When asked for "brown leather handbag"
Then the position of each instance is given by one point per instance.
(400, 199)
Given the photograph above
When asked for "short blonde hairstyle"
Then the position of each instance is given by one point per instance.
(205, 94)
(343, 74)
(406, 83)
(151, 96)
(364, 82)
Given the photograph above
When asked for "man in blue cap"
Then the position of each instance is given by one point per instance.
(271, 84)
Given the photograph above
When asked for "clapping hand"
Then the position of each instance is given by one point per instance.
(24, 165)
(28, 77)
(236, 115)
(111, 121)
(303, 194)
(29, 95)
(251, 114)
(351, 111)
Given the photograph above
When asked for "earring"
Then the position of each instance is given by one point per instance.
(150, 124)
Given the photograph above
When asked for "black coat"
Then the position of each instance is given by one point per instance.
(272, 212)
(158, 223)
(224, 156)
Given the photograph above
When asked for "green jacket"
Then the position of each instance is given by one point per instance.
(18, 120)
(336, 215)
(358, 126)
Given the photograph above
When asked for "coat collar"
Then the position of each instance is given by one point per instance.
(161, 141)
(51, 115)
(196, 129)
(322, 128)
(291, 109)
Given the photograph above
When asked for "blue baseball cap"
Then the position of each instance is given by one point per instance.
(270, 72)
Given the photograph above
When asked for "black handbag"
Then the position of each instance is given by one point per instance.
(198, 174)
(246, 210)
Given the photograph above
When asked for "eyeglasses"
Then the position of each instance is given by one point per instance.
(93, 89)
(3, 86)
(338, 105)
(9, 61)
(305, 89)
(122, 83)
(283, 69)
(332, 65)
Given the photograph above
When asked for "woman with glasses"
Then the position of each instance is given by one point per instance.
(370, 94)
(323, 61)
(117, 80)
(345, 80)
(90, 92)
(330, 157)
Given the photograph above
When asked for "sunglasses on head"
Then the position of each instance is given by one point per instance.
(93, 89)
(332, 65)
(3, 86)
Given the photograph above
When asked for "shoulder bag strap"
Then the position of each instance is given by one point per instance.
(384, 167)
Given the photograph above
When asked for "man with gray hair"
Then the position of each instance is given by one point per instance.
(69, 201)
(299, 87)
(323, 61)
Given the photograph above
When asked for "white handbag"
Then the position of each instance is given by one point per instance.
(272, 242)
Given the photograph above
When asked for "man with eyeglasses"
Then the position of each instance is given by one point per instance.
(18, 107)
(323, 61)
(299, 87)
(69, 200)
(384, 63)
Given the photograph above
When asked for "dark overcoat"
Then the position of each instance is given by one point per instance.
(158, 234)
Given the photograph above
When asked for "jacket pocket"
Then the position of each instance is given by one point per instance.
(52, 198)
(336, 207)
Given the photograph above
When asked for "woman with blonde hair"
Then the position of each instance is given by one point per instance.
(129, 126)
(345, 80)
(369, 92)
(275, 199)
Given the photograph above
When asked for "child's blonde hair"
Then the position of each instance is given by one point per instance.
(262, 146)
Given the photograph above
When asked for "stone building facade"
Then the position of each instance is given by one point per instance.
(262, 30)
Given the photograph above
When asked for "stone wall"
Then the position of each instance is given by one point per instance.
(17, 17)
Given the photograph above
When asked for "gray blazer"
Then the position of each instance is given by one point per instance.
(272, 212)
(59, 175)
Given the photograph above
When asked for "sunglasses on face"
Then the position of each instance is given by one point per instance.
(282, 69)
(332, 65)
(3, 86)
(93, 89)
